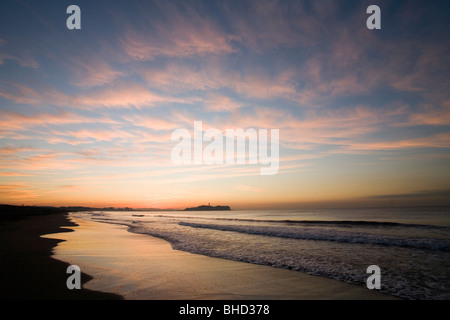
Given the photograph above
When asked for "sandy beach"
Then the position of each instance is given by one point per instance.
(137, 266)
(27, 270)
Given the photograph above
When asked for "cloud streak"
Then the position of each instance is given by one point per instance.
(100, 105)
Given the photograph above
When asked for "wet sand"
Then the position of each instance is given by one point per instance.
(27, 270)
(139, 266)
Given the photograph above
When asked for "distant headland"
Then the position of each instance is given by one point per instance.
(208, 208)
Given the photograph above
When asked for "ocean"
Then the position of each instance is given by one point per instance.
(411, 246)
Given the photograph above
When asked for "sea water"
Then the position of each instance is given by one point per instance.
(410, 245)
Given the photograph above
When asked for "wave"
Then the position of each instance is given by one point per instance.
(369, 223)
(331, 253)
(337, 249)
(329, 235)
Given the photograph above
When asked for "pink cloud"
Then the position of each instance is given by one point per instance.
(23, 60)
(122, 96)
(99, 135)
(272, 24)
(248, 82)
(92, 72)
(434, 141)
(116, 96)
(179, 43)
(221, 103)
(338, 127)
(12, 121)
(189, 33)
(153, 123)
(15, 174)
(42, 161)
(180, 77)
(25, 95)
(12, 150)
(432, 115)
(17, 192)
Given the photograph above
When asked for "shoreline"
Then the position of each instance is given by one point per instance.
(27, 269)
(137, 266)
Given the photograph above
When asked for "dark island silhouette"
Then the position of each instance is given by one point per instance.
(208, 208)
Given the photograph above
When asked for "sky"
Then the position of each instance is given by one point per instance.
(87, 115)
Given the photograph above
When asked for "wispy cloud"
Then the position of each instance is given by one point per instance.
(114, 96)
(127, 96)
(15, 174)
(432, 115)
(434, 141)
(18, 192)
(26, 61)
(22, 94)
(97, 107)
(11, 120)
(91, 72)
(189, 33)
